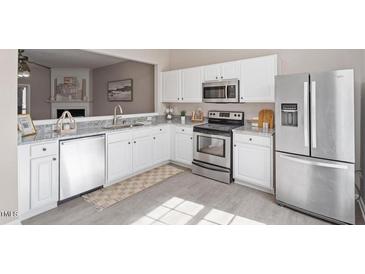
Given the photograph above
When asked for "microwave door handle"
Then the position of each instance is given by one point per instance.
(314, 114)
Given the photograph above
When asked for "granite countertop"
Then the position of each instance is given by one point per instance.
(249, 130)
(89, 131)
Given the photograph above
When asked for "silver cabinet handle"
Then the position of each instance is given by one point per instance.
(313, 163)
(305, 113)
(54, 159)
(313, 114)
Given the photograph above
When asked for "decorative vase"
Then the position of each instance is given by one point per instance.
(183, 119)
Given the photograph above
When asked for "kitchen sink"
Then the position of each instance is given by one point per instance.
(123, 126)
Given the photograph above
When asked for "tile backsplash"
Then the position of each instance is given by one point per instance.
(250, 109)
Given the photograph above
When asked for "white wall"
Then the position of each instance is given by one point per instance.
(8, 122)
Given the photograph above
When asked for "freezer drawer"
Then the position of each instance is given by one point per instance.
(323, 187)
(82, 165)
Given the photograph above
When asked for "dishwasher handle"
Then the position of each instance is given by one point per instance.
(81, 139)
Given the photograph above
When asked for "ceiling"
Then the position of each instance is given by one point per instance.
(70, 58)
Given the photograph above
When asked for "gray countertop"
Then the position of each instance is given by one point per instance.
(89, 131)
(254, 131)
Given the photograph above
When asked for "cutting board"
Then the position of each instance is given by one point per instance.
(266, 115)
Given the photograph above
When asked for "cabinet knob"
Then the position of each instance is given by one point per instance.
(54, 159)
(234, 145)
(191, 138)
(182, 99)
(129, 143)
(183, 130)
(241, 97)
(160, 129)
(154, 138)
(134, 142)
(44, 149)
(178, 98)
(221, 77)
(216, 77)
(250, 139)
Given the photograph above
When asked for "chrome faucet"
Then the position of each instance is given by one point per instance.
(115, 120)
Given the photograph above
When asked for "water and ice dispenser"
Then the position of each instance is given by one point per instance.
(289, 115)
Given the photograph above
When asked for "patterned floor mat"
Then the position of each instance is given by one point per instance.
(108, 196)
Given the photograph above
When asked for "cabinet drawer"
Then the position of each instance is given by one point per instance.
(160, 130)
(186, 130)
(116, 137)
(43, 150)
(252, 139)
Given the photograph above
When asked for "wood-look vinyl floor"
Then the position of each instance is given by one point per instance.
(183, 199)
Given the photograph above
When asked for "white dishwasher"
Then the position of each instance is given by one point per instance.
(82, 165)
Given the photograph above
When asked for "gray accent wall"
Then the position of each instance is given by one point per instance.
(143, 87)
(40, 91)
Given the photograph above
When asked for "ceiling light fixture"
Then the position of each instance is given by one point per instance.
(23, 68)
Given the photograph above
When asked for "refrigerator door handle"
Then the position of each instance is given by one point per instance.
(313, 114)
(306, 108)
(313, 163)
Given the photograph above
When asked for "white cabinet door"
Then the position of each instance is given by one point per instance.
(212, 72)
(184, 148)
(119, 160)
(252, 164)
(44, 181)
(258, 79)
(142, 153)
(171, 86)
(231, 70)
(161, 148)
(191, 85)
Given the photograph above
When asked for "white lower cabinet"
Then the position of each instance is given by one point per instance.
(131, 152)
(184, 145)
(161, 147)
(119, 159)
(142, 153)
(44, 181)
(253, 161)
(37, 178)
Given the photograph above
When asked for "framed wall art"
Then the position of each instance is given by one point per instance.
(25, 125)
(121, 90)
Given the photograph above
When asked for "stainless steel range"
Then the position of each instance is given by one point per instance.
(213, 145)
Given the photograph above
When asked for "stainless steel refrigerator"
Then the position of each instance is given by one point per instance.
(315, 144)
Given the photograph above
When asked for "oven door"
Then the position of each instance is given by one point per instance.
(212, 149)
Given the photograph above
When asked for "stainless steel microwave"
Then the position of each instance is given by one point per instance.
(225, 91)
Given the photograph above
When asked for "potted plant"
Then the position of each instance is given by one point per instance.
(183, 113)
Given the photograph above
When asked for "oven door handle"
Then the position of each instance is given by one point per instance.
(197, 133)
(209, 167)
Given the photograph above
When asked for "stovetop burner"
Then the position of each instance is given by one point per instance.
(218, 127)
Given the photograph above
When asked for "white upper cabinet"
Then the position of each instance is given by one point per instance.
(228, 70)
(256, 75)
(212, 72)
(191, 85)
(258, 79)
(171, 87)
